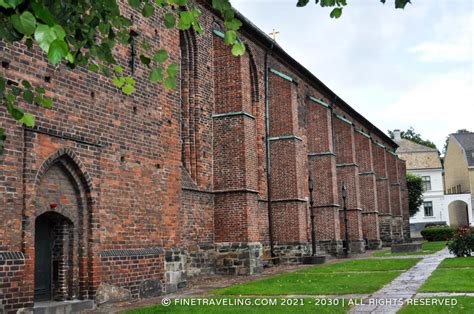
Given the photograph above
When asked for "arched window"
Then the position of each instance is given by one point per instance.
(189, 112)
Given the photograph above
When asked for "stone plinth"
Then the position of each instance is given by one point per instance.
(406, 247)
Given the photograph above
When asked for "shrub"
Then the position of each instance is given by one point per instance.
(435, 224)
(462, 243)
(439, 233)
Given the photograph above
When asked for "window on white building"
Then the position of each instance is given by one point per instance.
(428, 206)
(426, 183)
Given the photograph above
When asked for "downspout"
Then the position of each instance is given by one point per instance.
(332, 125)
(267, 153)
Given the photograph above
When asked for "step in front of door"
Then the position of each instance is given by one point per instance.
(62, 307)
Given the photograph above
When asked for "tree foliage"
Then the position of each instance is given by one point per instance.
(338, 5)
(411, 135)
(415, 193)
(84, 34)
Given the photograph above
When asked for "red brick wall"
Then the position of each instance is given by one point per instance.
(15, 289)
(129, 153)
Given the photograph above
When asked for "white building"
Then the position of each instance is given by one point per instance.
(425, 162)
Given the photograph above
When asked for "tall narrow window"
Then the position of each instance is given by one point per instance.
(426, 183)
(428, 206)
(189, 113)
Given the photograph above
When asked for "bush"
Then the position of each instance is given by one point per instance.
(439, 233)
(435, 224)
(462, 243)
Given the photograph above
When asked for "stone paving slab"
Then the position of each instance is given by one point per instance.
(391, 297)
(444, 294)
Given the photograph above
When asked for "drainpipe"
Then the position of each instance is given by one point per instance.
(332, 125)
(267, 152)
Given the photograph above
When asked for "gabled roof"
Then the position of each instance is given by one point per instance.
(466, 141)
(418, 156)
(407, 146)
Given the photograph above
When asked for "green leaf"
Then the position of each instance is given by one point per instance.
(145, 60)
(230, 37)
(118, 69)
(119, 81)
(24, 23)
(43, 13)
(302, 3)
(178, 2)
(161, 56)
(5, 4)
(58, 31)
(400, 4)
(104, 28)
(221, 5)
(336, 13)
(156, 75)
(238, 49)
(57, 50)
(16, 113)
(28, 120)
(186, 18)
(161, 3)
(26, 84)
(44, 36)
(93, 67)
(130, 80)
(170, 82)
(10, 4)
(148, 9)
(28, 96)
(134, 3)
(40, 90)
(47, 102)
(69, 57)
(170, 20)
(233, 24)
(128, 89)
(172, 70)
(16, 91)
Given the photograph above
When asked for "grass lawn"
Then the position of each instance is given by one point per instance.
(450, 280)
(427, 248)
(308, 306)
(457, 262)
(372, 264)
(340, 278)
(464, 305)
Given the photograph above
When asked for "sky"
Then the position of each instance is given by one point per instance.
(399, 68)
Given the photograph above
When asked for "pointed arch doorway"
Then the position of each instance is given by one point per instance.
(61, 231)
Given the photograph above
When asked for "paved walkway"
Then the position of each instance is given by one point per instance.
(390, 298)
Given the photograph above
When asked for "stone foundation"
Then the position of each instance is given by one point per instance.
(357, 246)
(292, 253)
(175, 269)
(332, 247)
(397, 229)
(385, 225)
(201, 260)
(239, 258)
(374, 244)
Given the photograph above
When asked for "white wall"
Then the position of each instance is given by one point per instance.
(435, 195)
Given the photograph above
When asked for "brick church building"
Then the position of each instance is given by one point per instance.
(147, 190)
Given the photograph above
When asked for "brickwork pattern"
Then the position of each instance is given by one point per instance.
(182, 171)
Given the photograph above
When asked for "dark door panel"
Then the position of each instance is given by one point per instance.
(43, 259)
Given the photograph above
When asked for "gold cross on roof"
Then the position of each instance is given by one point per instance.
(273, 34)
